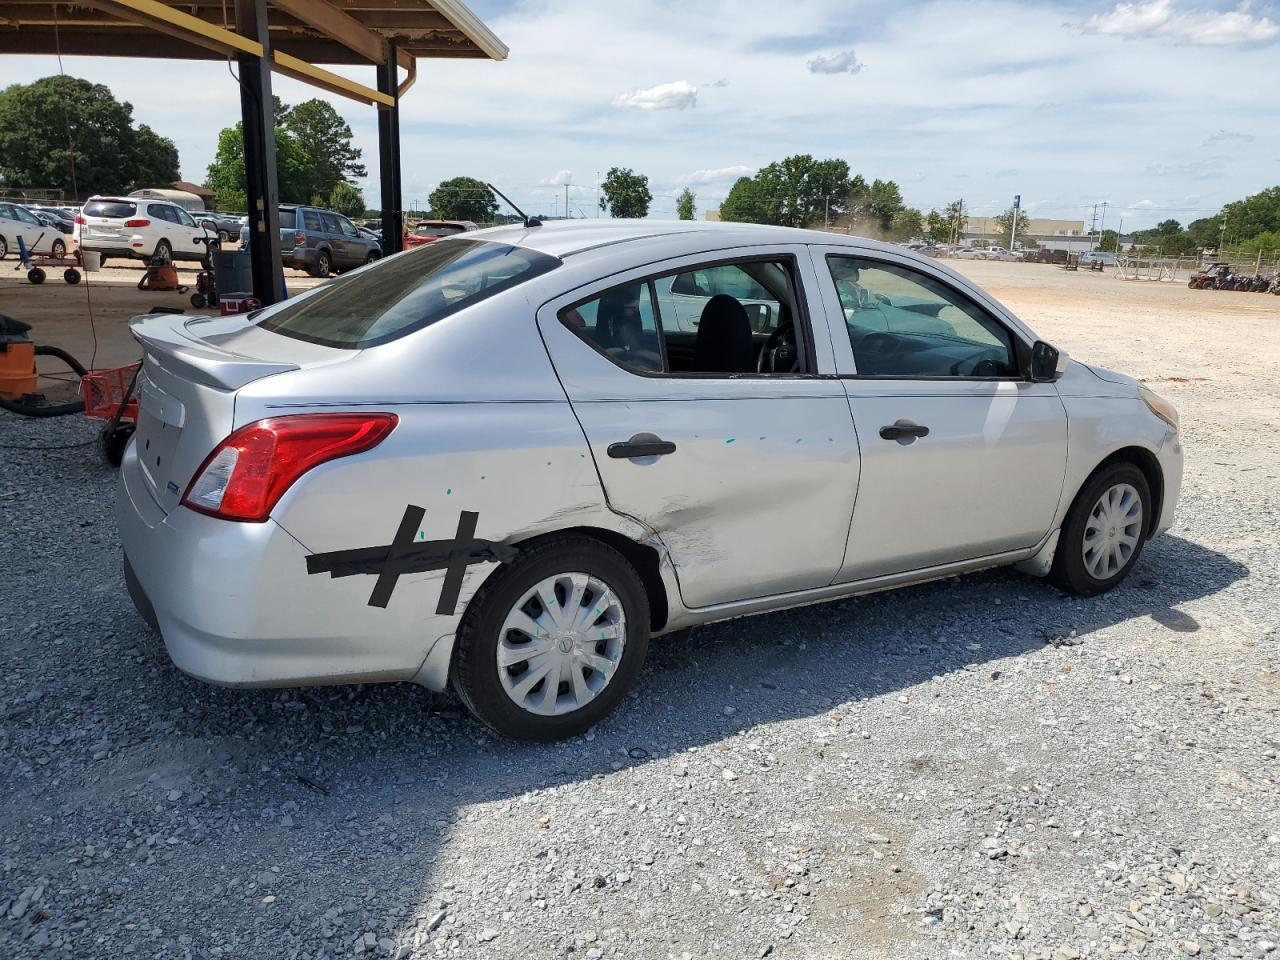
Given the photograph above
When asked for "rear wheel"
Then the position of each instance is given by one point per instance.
(551, 643)
(4, 248)
(58, 248)
(1104, 532)
(71, 275)
(323, 265)
(164, 250)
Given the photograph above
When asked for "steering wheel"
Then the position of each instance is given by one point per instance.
(783, 356)
(984, 366)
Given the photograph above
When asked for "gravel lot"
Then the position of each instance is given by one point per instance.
(977, 767)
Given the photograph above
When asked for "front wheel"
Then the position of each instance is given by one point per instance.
(552, 642)
(1104, 531)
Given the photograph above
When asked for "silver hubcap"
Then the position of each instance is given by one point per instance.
(561, 644)
(1113, 531)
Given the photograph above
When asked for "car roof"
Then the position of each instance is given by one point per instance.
(561, 238)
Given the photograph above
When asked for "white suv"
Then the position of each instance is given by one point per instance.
(134, 227)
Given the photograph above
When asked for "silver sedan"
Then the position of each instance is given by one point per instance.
(506, 459)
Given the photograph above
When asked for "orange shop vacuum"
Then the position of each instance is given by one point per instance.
(161, 275)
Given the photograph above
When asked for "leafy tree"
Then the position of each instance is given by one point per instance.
(1005, 224)
(684, 204)
(323, 140)
(625, 193)
(907, 223)
(1253, 215)
(885, 202)
(744, 204)
(800, 190)
(1109, 242)
(936, 227)
(346, 199)
(225, 176)
(40, 121)
(463, 198)
(956, 216)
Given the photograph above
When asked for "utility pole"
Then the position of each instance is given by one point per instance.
(1093, 226)
(1103, 228)
(1013, 230)
(566, 201)
(826, 213)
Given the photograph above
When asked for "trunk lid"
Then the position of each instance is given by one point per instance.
(191, 370)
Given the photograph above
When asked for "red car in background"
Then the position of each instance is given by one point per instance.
(429, 230)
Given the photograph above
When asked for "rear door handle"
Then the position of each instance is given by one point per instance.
(641, 445)
(903, 430)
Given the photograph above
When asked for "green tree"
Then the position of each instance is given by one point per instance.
(463, 198)
(744, 204)
(323, 140)
(907, 223)
(40, 121)
(799, 190)
(936, 227)
(1005, 223)
(1254, 214)
(625, 193)
(1109, 242)
(885, 202)
(956, 216)
(225, 176)
(346, 199)
(684, 204)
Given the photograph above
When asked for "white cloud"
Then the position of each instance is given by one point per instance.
(1158, 18)
(844, 61)
(559, 179)
(718, 174)
(1224, 135)
(1208, 168)
(677, 95)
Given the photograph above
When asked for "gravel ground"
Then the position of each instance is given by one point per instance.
(977, 767)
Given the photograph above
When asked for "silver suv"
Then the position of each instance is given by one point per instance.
(320, 241)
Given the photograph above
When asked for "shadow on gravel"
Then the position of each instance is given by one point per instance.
(337, 801)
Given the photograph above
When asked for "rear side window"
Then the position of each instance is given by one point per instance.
(404, 293)
(162, 212)
(116, 209)
(288, 219)
(311, 221)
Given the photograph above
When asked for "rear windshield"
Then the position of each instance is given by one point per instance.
(110, 208)
(443, 230)
(400, 294)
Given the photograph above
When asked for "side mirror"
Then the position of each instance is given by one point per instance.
(1048, 363)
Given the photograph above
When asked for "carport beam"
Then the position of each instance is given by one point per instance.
(389, 156)
(261, 188)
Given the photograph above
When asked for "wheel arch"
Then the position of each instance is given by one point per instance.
(1145, 461)
(645, 559)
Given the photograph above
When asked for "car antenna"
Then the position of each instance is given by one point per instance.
(528, 220)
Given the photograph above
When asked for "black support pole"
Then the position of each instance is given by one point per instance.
(261, 188)
(389, 156)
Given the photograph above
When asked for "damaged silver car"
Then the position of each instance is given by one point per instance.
(506, 459)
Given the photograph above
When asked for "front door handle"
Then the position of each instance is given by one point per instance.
(641, 445)
(903, 430)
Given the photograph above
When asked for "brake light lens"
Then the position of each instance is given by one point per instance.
(137, 223)
(299, 238)
(246, 475)
(80, 219)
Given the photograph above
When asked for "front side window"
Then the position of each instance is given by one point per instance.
(726, 319)
(26, 216)
(401, 294)
(184, 218)
(348, 228)
(903, 323)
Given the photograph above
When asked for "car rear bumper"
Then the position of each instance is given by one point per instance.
(235, 605)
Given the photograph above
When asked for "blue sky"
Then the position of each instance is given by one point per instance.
(1163, 108)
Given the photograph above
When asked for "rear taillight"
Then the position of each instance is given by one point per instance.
(247, 474)
(80, 219)
(299, 238)
(137, 223)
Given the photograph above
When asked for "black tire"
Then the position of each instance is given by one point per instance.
(197, 301)
(4, 248)
(102, 262)
(373, 255)
(475, 671)
(323, 265)
(58, 248)
(224, 236)
(36, 275)
(71, 275)
(163, 250)
(1069, 571)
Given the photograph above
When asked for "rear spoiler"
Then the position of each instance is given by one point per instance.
(164, 338)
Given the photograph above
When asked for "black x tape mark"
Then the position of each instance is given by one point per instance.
(406, 555)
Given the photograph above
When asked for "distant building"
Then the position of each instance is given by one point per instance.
(1068, 235)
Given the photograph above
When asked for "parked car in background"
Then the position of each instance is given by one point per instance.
(53, 217)
(227, 225)
(320, 241)
(16, 221)
(139, 228)
(428, 230)
(985, 253)
(503, 462)
(1104, 257)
